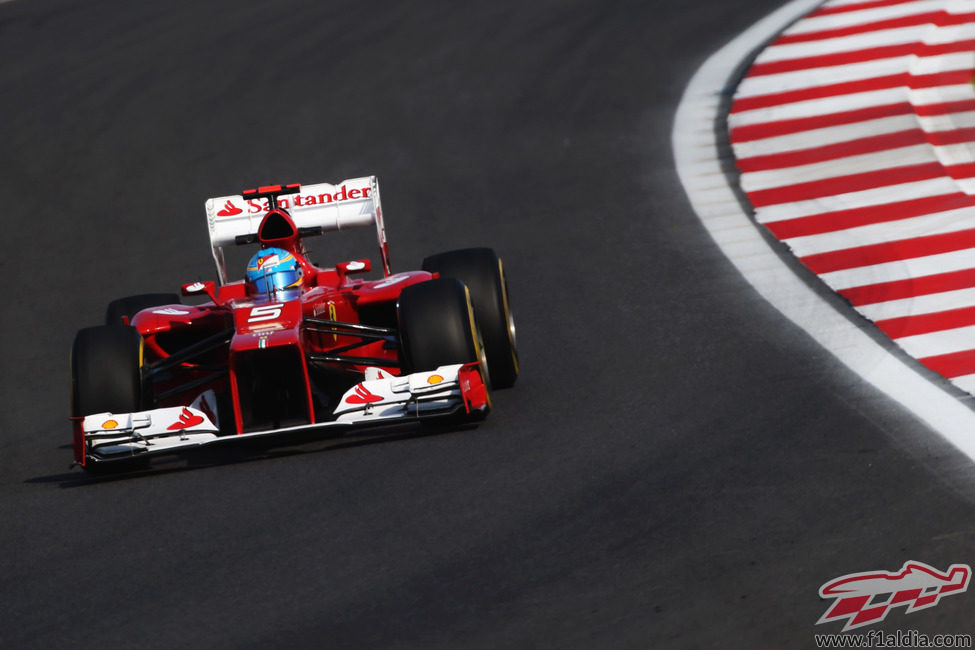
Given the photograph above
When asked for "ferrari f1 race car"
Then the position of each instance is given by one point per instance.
(292, 347)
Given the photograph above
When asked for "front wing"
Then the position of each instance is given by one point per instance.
(105, 438)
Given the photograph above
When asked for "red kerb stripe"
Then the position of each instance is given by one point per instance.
(951, 365)
(860, 146)
(903, 249)
(927, 323)
(818, 224)
(752, 132)
(940, 18)
(946, 108)
(859, 6)
(956, 136)
(910, 287)
(961, 171)
(846, 184)
(904, 79)
(859, 56)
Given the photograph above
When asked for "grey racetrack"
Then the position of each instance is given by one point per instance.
(676, 467)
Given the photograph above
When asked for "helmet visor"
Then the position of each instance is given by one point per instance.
(277, 282)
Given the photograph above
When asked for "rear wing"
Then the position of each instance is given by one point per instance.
(315, 209)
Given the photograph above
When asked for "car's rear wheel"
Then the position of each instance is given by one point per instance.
(107, 374)
(483, 272)
(132, 305)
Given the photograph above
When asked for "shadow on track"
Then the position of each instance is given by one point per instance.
(296, 444)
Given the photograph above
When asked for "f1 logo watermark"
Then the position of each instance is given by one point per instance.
(867, 598)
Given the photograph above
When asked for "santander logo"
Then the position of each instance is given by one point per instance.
(229, 210)
(299, 201)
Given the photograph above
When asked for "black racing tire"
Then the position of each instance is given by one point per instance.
(483, 272)
(436, 326)
(106, 371)
(132, 305)
(107, 376)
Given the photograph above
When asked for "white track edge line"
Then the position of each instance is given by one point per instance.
(698, 161)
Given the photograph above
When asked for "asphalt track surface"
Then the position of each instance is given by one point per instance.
(676, 467)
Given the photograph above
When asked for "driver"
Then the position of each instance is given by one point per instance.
(275, 273)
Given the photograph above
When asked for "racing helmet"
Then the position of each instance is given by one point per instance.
(275, 273)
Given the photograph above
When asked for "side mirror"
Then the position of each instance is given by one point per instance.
(348, 268)
(208, 288)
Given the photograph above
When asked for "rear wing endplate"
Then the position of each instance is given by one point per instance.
(315, 209)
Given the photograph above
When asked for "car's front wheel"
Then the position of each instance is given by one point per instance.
(437, 327)
(107, 376)
(106, 370)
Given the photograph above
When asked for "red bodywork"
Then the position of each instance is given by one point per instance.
(316, 343)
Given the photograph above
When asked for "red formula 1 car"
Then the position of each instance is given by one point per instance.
(292, 346)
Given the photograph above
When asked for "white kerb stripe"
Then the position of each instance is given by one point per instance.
(937, 343)
(838, 167)
(853, 200)
(864, 41)
(918, 305)
(825, 136)
(819, 106)
(863, 17)
(914, 267)
(770, 84)
(851, 102)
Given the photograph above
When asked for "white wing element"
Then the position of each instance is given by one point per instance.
(383, 396)
(160, 429)
(350, 203)
(378, 399)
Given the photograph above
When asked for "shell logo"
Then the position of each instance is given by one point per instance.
(433, 380)
(109, 424)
